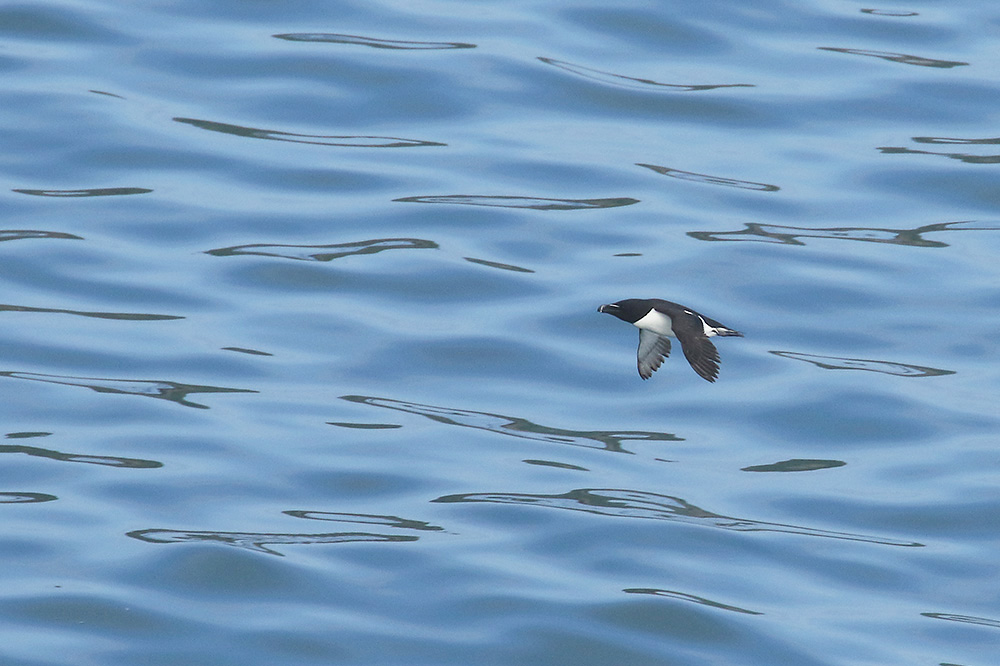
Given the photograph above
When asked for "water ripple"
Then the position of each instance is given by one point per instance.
(513, 426)
(711, 180)
(673, 594)
(25, 498)
(366, 519)
(335, 38)
(776, 233)
(107, 94)
(244, 350)
(622, 503)
(633, 82)
(22, 234)
(889, 12)
(172, 391)
(897, 57)
(884, 367)
(952, 140)
(256, 540)
(556, 464)
(536, 203)
(361, 141)
(365, 426)
(110, 461)
(968, 619)
(127, 316)
(497, 264)
(99, 192)
(968, 158)
(306, 252)
(795, 465)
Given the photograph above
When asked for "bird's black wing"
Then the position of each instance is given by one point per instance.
(698, 349)
(653, 349)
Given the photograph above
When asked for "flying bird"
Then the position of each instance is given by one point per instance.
(657, 319)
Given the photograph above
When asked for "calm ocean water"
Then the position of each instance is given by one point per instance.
(301, 362)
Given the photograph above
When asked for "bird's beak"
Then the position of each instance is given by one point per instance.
(605, 308)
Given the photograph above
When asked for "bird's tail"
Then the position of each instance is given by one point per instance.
(727, 332)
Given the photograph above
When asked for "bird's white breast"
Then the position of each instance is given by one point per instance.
(657, 322)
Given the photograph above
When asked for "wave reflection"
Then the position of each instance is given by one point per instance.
(22, 234)
(710, 180)
(127, 316)
(366, 519)
(513, 426)
(99, 192)
(639, 504)
(172, 391)
(365, 426)
(105, 93)
(884, 367)
(952, 140)
(968, 619)
(897, 57)
(257, 541)
(556, 464)
(683, 596)
(776, 233)
(313, 139)
(25, 498)
(497, 264)
(307, 252)
(795, 465)
(245, 350)
(968, 158)
(536, 203)
(109, 461)
(335, 38)
(633, 82)
(889, 12)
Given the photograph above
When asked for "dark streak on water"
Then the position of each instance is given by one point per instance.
(517, 427)
(884, 367)
(310, 253)
(535, 203)
(166, 390)
(635, 82)
(259, 541)
(711, 180)
(97, 192)
(653, 506)
(897, 57)
(393, 44)
(361, 141)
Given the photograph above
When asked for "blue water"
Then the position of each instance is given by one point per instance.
(301, 362)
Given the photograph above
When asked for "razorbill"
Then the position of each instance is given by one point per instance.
(656, 319)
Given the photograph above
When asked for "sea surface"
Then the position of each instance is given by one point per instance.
(301, 363)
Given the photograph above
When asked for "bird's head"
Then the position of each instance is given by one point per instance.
(630, 310)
